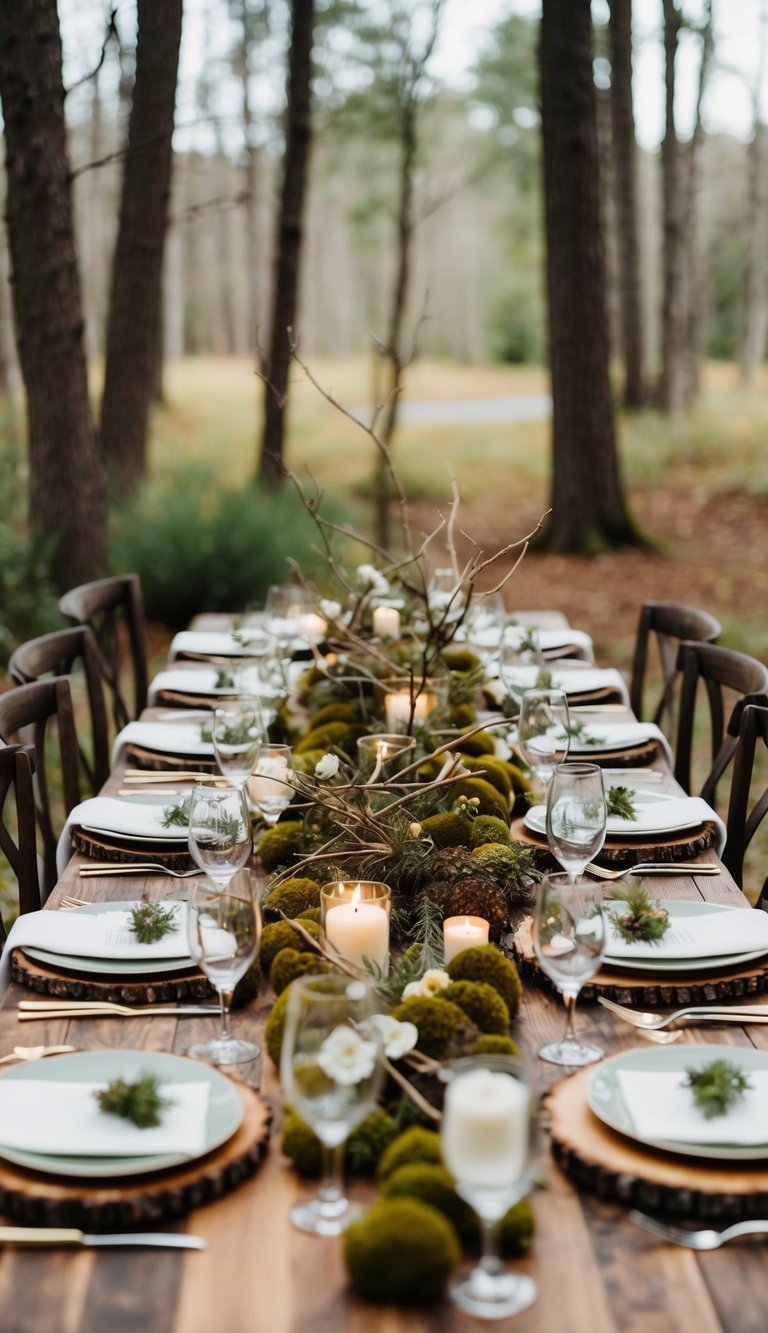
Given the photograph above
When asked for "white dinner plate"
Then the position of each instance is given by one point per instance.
(685, 908)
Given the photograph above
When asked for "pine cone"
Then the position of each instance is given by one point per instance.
(451, 864)
(439, 893)
(481, 897)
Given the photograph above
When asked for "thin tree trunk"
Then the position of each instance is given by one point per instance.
(588, 509)
(754, 283)
(672, 382)
(696, 270)
(134, 315)
(66, 491)
(251, 209)
(625, 185)
(271, 469)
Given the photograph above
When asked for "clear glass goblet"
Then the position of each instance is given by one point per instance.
(569, 936)
(544, 731)
(224, 930)
(332, 1073)
(220, 837)
(265, 679)
(486, 1137)
(238, 731)
(576, 816)
(269, 786)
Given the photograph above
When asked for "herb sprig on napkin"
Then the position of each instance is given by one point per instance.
(151, 921)
(716, 1086)
(644, 919)
(619, 802)
(176, 816)
(140, 1102)
(578, 732)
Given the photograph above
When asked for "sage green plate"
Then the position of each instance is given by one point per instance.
(135, 968)
(605, 1099)
(686, 908)
(225, 1107)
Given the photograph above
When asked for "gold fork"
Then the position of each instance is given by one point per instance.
(655, 868)
(651, 1022)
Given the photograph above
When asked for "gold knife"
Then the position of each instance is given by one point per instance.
(69, 1236)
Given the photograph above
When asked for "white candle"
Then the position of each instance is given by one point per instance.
(486, 1129)
(386, 622)
(311, 627)
(463, 932)
(397, 708)
(359, 930)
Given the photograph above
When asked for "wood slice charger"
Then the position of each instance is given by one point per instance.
(635, 988)
(631, 852)
(154, 762)
(35, 1199)
(606, 1163)
(168, 988)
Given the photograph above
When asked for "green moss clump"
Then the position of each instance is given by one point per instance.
(447, 830)
(275, 1026)
(491, 801)
(484, 962)
(462, 715)
(490, 829)
(305, 763)
(323, 738)
(333, 712)
(413, 1145)
(433, 1184)
(279, 845)
(248, 986)
(480, 1002)
(516, 1229)
(301, 1145)
(492, 1044)
(290, 964)
(293, 896)
(521, 783)
(511, 867)
(311, 914)
(402, 1250)
(461, 659)
(281, 935)
(478, 745)
(439, 1023)
(493, 771)
(362, 1152)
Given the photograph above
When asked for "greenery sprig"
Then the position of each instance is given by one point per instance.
(579, 732)
(644, 919)
(225, 680)
(619, 802)
(151, 921)
(176, 816)
(140, 1102)
(716, 1086)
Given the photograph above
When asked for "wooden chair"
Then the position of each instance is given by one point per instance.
(720, 669)
(60, 654)
(17, 830)
(666, 623)
(29, 712)
(113, 608)
(744, 822)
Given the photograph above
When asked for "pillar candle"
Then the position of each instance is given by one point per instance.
(386, 622)
(359, 930)
(486, 1129)
(463, 932)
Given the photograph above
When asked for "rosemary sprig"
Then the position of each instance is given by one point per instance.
(206, 731)
(176, 816)
(151, 921)
(544, 679)
(140, 1102)
(644, 919)
(619, 802)
(225, 680)
(578, 732)
(716, 1086)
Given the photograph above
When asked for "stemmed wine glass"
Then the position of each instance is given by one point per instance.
(265, 679)
(238, 730)
(270, 785)
(569, 936)
(224, 929)
(486, 1138)
(332, 1073)
(544, 731)
(576, 816)
(220, 837)
(519, 660)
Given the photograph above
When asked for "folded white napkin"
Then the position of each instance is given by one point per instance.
(541, 619)
(705, 936)
(130, 818)
(165, 737)
(206, 643)
(550, 640)
(609, 735)
(64, 1118)
(661, 1107)
(668, 816)
(198, 680)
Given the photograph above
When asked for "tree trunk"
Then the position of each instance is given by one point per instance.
(289, 236)
(754, 281)
(588, 509)
(66, 484)
(696, 270)
(673, 325)
(134, 315)
(625, 183)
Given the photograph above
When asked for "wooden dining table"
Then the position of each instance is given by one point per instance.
(596, 1271)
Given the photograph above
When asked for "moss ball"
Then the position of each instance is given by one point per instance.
(275, 1026)
(363, 1148)
(447, 830)
(461, 660)
(521, 783)
(279, 845)
(281, 935)
(484, 962)
(462, 715)
(290, 964)
(512, 867)
(438, 1021)
(516, 1229)
(478, 745)
(292, 897)
(491, 1044)
(491, 801)
(489, 829)
(325, 737)
(248, 986)
(433, 1184)
(311, 914)
(301, 1145)
(413, 1145)
(493, 771)
(480, 1002)
(333, 712)
(403, 1250)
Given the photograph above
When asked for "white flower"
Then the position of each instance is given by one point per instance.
(371, 579)
(331, 610)
(327, 767)
(398, 1038)
(414, 830)
(432, 981)
(346, 1057)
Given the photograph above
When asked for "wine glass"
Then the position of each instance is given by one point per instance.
(576, 816)
(544, 731)
(284, 605)
(269, 786)
(569, 936)
(220, 838)
(486, 1138)
(519, 660)
(224, 929)
(266, 681)
(332, 1073)
(238, 730)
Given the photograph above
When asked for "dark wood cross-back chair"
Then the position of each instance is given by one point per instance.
(27, 713)
(719, 669)
(113, 607)
(58, 654)
(666, 623)
(744, 822)
(17, 830)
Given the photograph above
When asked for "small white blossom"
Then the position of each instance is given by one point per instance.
(370, 578)
(414, 830)
(432, 981)
(327, 767)
(346, 1057)
(331, 610)
(398, 1038)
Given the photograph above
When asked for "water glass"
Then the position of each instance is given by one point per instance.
(224, 930)
(576, 816)
(269, 786)
(569, 936)
(544, 731)
(220, 838)
(332, 1073)
(265, 680)
(238, 730)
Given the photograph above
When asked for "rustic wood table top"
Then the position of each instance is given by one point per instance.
(597, 1273)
